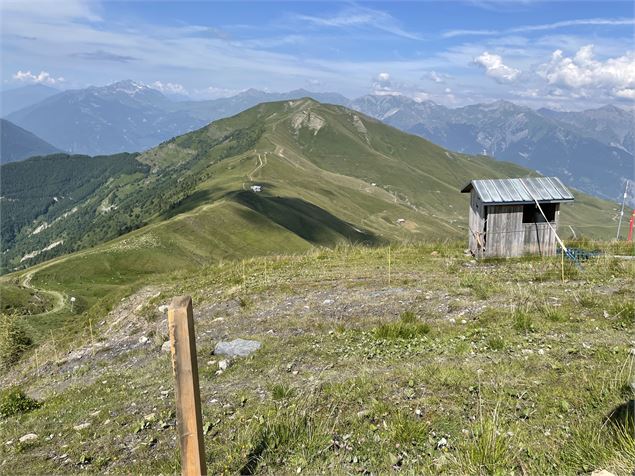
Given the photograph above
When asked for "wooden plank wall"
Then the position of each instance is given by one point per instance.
(539, 238)
(476, 224)
(505, 231)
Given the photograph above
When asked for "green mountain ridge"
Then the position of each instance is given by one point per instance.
(326, 175)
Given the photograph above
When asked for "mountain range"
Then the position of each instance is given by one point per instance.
(279, 177)
(18, 144)
(575, 146)
(590, 150)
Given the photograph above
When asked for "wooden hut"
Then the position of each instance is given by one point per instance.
(505, 219)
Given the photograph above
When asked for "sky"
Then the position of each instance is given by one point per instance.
(563, 55)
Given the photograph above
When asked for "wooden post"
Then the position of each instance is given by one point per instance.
(389, 265)
(92, 336)
(188, 398)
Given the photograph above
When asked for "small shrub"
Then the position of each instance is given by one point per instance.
(13, 401)
(523, 321)
(14, 340)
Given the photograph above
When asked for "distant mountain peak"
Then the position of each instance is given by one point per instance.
(251, 92)
(610, 108)
(126, 86)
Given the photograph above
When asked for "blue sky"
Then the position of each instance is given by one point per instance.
(559, 54)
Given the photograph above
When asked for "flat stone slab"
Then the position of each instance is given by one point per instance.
(237, 348)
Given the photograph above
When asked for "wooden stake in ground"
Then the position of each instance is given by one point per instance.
(188, 398)
(92, 336)
(389, 266)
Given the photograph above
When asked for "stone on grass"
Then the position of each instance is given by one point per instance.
(602, 472)
(223, 365)
(163, 309)
(237, 347)
(81, 426)
(28, 437)
(166, 346)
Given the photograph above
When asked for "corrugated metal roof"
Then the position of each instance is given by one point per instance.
(520, 190)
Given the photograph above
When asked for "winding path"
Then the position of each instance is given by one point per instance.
(59, 299)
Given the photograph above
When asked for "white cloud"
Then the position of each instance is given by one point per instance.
(628, 93)
(170, 88)
(436, 77)
(496, 69)
(361, 17)
(52, 9)
(383, 78)
(382, 86)
(543, 27)
(582, 72)
(214, 92)
(42, 78)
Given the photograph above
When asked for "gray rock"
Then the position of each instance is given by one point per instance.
(237, 348)
(223, 365)
(166, 346)
(28, 437)
(81, 426)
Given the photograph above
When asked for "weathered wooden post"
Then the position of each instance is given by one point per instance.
(188, 398)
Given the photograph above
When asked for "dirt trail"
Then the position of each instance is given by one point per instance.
(260, 165)
(59, 298)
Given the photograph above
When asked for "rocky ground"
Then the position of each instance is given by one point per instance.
(440, 365)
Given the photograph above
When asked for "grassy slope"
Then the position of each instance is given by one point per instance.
(313, 196)
(317, 191)
(516, 369)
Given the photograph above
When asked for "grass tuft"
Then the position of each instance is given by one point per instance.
(408, 327)
(280, 391)
(523, 321)
(553, 314)
(289, 433)
(496, 343)
(487, 451)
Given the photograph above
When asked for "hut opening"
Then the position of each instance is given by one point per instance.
(515, 217)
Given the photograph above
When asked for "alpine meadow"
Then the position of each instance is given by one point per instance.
(418, 260)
